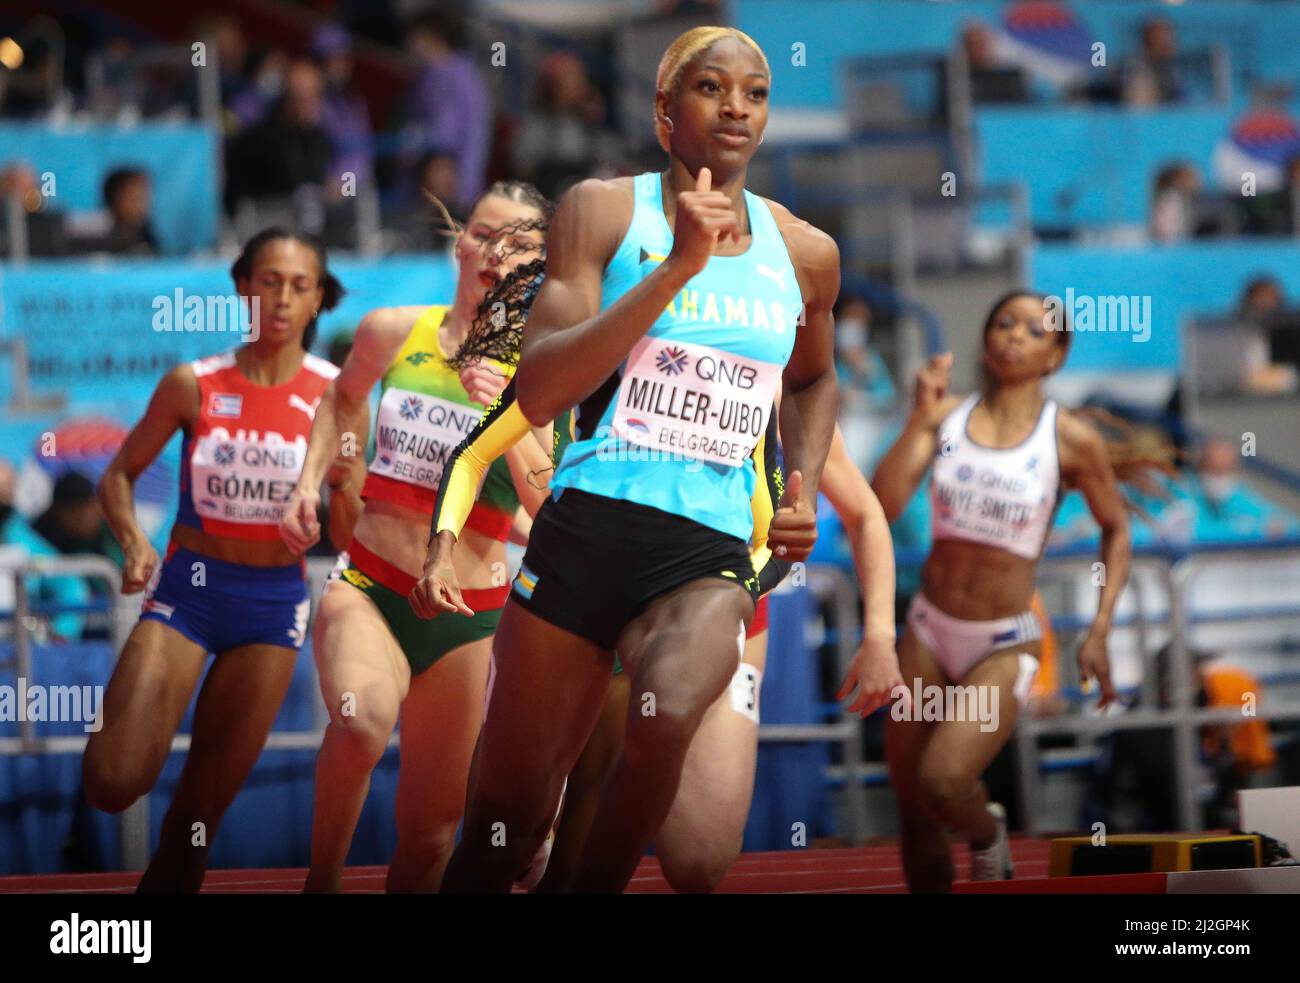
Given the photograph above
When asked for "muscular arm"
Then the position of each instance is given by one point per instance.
(868, 530)
(900, 471)
(1088, 468)
(810, 393)
(344, 405)
(346, 477)
(174, 406)
(529, 461)
(171, 408)
(1086, 465)
(569, 349)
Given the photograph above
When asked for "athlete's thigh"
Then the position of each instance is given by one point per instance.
(687, 641)
(717, 783)
(440, 723)
(237, 705)
(360, 664)
(546, 689)
(982, 717)
(906, 732)
(150, 690)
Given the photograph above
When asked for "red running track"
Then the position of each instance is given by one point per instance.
(873, 869)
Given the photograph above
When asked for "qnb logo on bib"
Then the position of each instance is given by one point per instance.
(411, 408)
(246, 477)
(671, 360)
(416, 433)
(705, 403)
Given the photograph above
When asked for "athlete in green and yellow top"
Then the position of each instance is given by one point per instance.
(424, 413)
(375, 658)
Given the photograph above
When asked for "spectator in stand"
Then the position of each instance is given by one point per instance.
(16, 534)
(290, 148)
(1226, 508)
(128, 231)
(1152, 79)
(256, 97)
(449, 107)
(991, 79)
(344, 114)
(421, 221)
(864, 378)
(1261, 303)
(227, 36)
(564, 136)
(1207, 503)
(1272, 213)
(44, 228)
(1173, 202)
(438, 178)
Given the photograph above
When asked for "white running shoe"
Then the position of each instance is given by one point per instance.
(994, 862)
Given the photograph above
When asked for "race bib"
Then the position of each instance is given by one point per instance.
(416, 434)
(243, 480)
(694, 400)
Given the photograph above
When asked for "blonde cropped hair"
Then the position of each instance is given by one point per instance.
(680, 54)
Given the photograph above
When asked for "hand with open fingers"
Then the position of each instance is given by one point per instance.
(932, 383)
(141, 561)
(703, 217)
(438, 590)
(300, 527)
(1094, 663)
(874, 671)
(482, 383)
(793, 532)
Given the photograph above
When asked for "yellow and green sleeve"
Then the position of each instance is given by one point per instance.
(502, 426)
(769, 486)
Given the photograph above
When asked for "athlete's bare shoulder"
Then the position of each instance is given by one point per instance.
(177, 395)
(389, 323)
(809, 246)
(590, 220)
(1081, 443)
(378, 339)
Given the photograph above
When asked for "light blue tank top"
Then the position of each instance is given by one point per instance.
(674, 428)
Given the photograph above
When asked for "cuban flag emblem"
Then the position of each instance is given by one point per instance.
(229, 405)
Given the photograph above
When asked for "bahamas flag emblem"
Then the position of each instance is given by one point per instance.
(525, 581)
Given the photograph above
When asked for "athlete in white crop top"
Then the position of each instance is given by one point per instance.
(999, 461)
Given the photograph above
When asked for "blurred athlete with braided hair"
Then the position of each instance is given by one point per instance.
(376, 659)
(1000, 460)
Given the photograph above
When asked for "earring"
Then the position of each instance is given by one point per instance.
(760, 139)
(668, 123)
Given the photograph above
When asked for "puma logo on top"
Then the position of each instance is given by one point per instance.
(776, 277)
(298, 403)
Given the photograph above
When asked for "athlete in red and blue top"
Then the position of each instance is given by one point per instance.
(228, 586)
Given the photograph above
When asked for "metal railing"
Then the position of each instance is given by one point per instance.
(1176, 571)
(833, 587)
(133, 823)
(835, 590)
